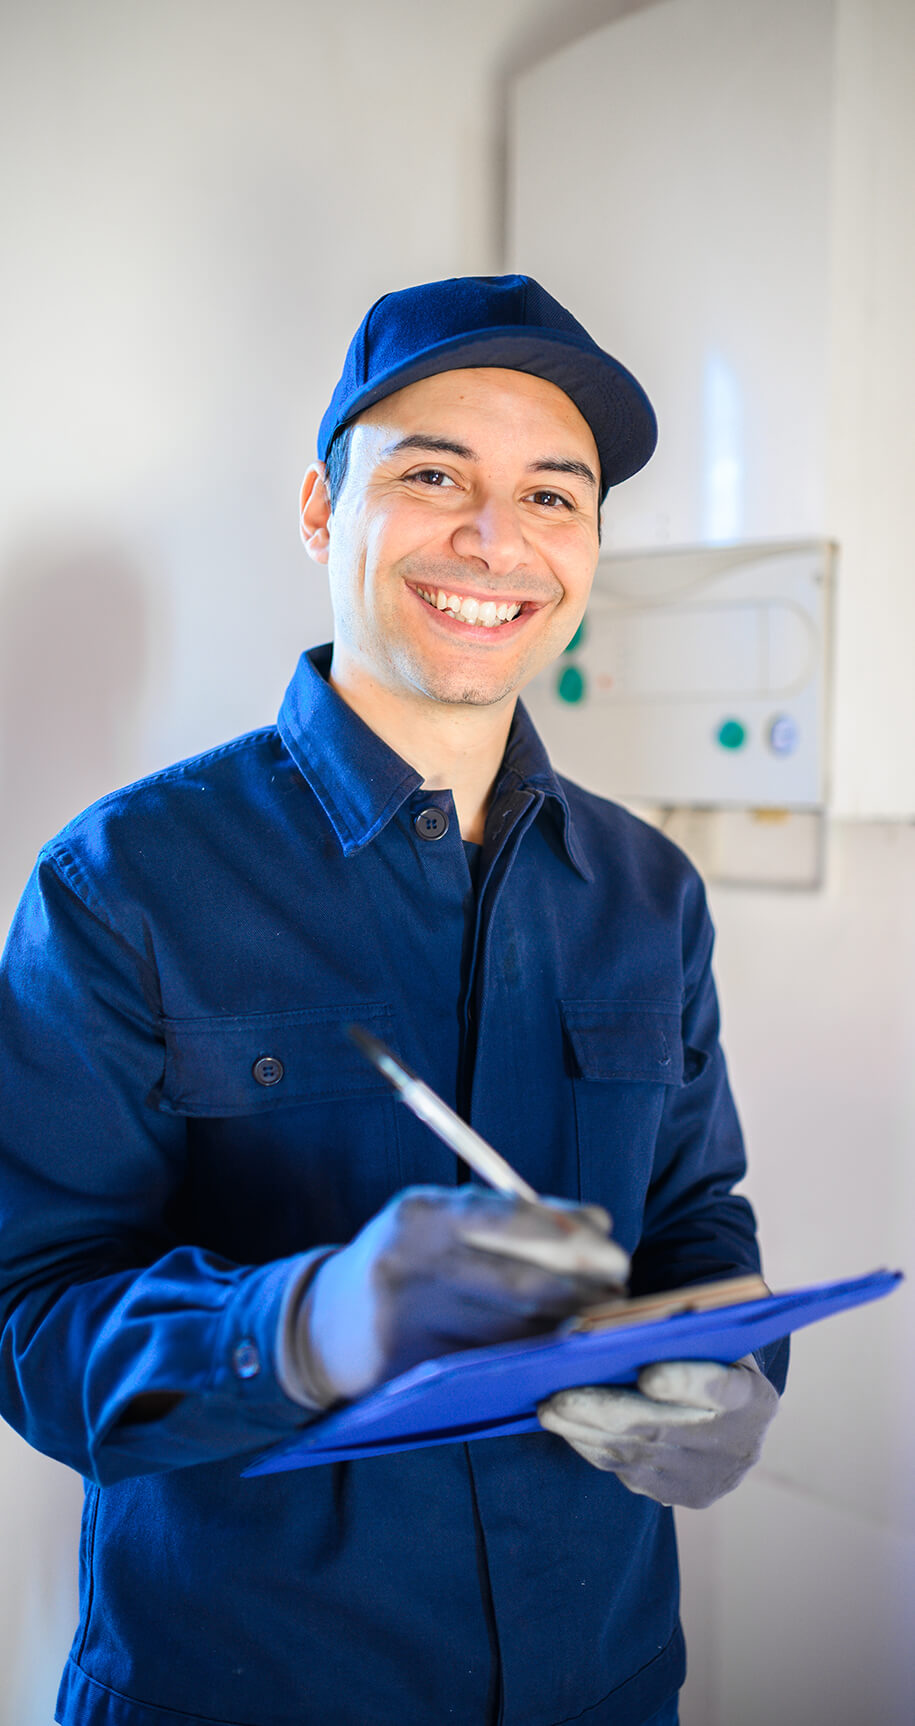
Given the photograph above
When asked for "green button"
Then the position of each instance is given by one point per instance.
(731, 734)
(570, 684)
(577, 638)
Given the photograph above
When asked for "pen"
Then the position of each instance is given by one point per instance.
(420, 1097)
(582, 1250)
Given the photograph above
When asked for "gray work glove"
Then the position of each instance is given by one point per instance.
(686, 1436)
(439, 1269)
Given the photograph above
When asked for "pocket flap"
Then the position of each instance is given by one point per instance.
(236, 1066)
(618, 1040)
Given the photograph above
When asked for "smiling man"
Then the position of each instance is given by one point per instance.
(461, 556)
(216, 1224)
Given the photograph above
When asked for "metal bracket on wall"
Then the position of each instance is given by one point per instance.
(767, 848)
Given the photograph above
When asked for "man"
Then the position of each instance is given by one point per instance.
(216, 1223)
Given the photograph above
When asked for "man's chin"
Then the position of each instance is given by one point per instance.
(448, 692)
(465, 682)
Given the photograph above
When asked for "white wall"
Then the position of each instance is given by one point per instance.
(202, 199)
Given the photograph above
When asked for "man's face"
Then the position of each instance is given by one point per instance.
(464, 542)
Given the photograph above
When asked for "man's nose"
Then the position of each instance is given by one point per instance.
(491, 530)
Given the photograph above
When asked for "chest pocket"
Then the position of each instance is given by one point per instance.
(292, 1136)
(623, 1059)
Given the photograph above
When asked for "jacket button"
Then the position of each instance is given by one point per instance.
(431, 823)
(268, 1070)
(245, 1358)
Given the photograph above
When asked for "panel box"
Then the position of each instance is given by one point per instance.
(698, 678)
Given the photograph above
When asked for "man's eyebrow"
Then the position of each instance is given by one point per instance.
(428, 440)
(557, 464)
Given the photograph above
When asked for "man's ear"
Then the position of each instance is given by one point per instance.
(314, 519)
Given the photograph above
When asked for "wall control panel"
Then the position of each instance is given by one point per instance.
(698, 677)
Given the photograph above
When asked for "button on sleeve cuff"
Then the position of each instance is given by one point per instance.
(252, 1362)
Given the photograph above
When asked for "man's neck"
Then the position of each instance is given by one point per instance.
(455, 746)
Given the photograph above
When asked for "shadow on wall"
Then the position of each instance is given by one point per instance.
(74, 653)
(40, 1507)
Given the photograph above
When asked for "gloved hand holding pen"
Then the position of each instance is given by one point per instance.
(443, 1268)
(440, 1269)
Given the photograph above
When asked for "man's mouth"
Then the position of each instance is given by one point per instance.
(486, 613)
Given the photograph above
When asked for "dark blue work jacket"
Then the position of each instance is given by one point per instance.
(218, 924)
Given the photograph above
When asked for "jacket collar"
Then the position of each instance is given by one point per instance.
(361, 782)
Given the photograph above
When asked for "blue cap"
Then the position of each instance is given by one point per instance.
(508, 321)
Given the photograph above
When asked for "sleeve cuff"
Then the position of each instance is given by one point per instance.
(299, 1384)
(254, 1361)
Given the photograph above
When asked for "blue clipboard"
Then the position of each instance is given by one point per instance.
(493, 1392)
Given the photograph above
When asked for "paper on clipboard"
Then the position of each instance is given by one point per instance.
(492, 1392)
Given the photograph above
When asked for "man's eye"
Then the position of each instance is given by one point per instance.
(551, 499)
(431, 476)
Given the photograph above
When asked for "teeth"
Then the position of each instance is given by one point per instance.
(484, 613)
